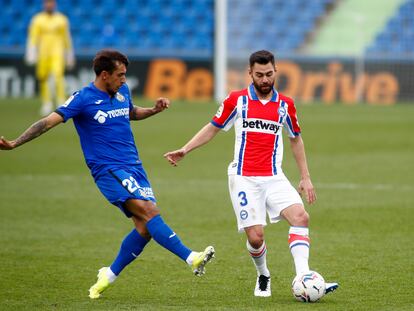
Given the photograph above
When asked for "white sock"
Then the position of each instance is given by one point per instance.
(299, 247)
(111, 276)
(190, 258)
(259, 258)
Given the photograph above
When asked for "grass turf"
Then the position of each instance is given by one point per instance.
(57, 230)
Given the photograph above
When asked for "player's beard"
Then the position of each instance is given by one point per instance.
(111, 92)
(263, 89)
(111, 89)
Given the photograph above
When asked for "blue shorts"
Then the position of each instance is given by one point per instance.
(120, 185)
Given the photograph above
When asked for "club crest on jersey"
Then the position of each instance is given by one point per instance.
(281, 111)
(259, 125)
(120, 97)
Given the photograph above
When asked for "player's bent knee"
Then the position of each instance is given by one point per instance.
(301, 218)
(151, 213)
(296, 215)
(150, 210)
(144, 210)
(255, 238)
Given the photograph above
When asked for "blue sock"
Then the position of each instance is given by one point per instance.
(164, 236)
(131, 247)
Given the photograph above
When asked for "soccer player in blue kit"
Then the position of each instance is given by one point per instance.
(101, 113)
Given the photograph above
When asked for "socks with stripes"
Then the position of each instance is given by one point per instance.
(259, 258)
(299, 248)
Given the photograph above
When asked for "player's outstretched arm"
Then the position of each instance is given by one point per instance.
(140, 113)
(35, 130)
(206, 134)
(305, 185)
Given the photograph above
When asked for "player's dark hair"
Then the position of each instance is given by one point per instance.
(262, 57)
(105, 60)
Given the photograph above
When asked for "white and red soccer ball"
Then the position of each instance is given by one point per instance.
(308, 287)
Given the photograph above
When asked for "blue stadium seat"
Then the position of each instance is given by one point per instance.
(287, 32)
(397, 35)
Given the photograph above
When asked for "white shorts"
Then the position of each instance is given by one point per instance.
(252, 197)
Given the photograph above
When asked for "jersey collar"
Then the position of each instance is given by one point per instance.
(253, 96)
(92, 85)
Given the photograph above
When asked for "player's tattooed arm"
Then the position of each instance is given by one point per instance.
(139, 113)
(35, 130)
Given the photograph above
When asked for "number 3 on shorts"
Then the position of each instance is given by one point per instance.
(243, 199)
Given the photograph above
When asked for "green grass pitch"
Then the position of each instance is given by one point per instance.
(57, 230)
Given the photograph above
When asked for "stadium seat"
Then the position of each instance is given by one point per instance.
(169, 25)
(287, 33)
(397, 35)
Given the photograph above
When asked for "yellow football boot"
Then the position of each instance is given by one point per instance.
(201, 259)
(101, 285)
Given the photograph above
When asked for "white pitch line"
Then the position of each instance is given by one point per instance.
(355, 186)
(333, 185)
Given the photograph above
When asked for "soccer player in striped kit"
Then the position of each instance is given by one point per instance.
(257, 184)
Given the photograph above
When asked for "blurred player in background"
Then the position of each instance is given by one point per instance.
(102, 112)
(256, 181)
(49, 46)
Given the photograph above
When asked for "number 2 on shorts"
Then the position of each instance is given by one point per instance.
(243, 199)
(131, 184)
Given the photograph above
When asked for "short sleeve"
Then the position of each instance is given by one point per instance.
(225, 116)
(291, 123)
(71, 108)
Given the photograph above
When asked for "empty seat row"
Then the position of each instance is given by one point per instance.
(171, 24)
(397, 36)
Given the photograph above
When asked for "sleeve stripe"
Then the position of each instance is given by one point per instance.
(216, 124)
(289, 122)
(62, 115)
(231, 116)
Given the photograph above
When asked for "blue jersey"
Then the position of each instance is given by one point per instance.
(103, 125)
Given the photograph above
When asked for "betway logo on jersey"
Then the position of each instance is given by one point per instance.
(101, 116)
(262, 126)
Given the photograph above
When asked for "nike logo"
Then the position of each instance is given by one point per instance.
(99, 101)
(172, 235)
(134, 255)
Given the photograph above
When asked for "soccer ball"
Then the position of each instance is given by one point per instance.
(308, 287)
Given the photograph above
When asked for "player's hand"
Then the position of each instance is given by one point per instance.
(6, 144)
(161, 104)
(30, 56)
(305, 187)
(70, 60)
(174, 156)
